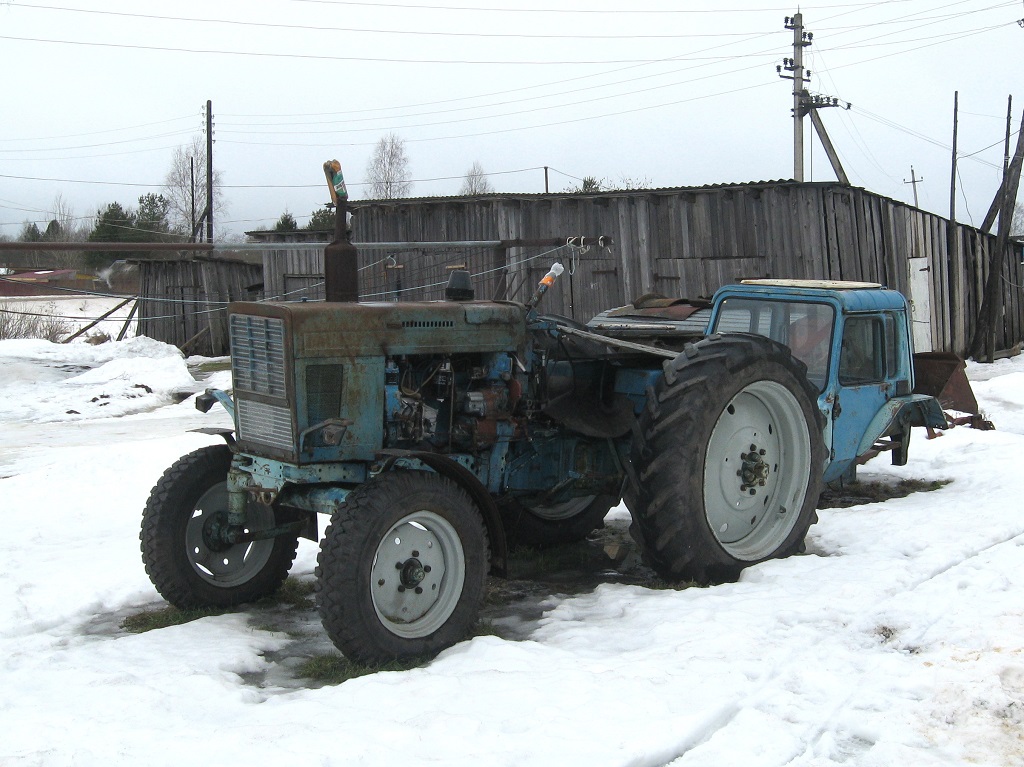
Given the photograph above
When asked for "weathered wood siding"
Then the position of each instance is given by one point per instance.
(679, 242)
(182, 298)
(688, 242)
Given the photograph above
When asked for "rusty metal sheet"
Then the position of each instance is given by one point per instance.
(943, 375)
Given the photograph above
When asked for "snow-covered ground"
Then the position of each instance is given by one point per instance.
(898, 639)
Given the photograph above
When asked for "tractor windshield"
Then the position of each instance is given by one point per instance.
(806, 328)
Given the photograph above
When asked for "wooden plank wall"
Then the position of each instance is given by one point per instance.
(181, 298)
(688, 242)
(676, 242)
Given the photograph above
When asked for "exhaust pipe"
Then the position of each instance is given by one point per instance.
(341, 259)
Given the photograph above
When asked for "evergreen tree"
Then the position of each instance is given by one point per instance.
(286, 223)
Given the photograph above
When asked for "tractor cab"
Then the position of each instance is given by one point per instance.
(854, 338)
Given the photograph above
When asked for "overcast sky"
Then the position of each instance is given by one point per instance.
(98, 94)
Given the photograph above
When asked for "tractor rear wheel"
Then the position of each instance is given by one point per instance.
(554, 524)
(402, 568)
(188, 562)
(729, 460)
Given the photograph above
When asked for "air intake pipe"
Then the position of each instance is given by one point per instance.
(341, 259)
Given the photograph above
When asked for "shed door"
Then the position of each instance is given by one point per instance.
(920, 303)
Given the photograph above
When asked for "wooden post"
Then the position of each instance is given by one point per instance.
(97, 321)
(983, 345)
(833, 156)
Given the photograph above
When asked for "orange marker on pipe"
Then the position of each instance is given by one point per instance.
(546, 282)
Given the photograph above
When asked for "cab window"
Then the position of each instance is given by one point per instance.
(806, 328)
(865, 353)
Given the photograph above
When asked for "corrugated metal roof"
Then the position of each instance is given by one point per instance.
(607, 193)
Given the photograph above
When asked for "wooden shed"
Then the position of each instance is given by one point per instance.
(184, 299)
(677, 242)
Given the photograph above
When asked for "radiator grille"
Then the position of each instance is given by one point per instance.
(266, 424)
(257, 354)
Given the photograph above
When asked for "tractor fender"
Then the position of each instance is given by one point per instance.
(465, 479)
(900, 412)
(228, 435)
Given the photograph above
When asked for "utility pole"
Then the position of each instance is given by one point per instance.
(983, 345)
(993, 211)
(209, 171)
(545, 179)
(799, 76)
(952, 175)
(192, 194)
(915, 181)
(806, 103)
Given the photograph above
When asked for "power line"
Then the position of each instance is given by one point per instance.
(517, 112)
(321, 57)
(616, 11)
(93, 146)
(106, 130)
(364, 30)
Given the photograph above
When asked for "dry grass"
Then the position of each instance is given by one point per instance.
(48, 326)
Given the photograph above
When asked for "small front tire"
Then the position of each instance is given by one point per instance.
(402, 568)
(184, 559)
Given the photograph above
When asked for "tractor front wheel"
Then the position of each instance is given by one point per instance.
(402, 568)
(187, 558)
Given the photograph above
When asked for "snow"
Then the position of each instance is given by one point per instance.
(897, 639)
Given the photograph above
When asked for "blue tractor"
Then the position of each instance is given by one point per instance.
(436, 434)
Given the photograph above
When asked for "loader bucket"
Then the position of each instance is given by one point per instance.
(942, 375)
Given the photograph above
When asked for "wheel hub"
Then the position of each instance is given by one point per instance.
(215, 532)
(753, 472)
(412, 572)
(417, 574)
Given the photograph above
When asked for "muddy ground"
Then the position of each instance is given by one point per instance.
(512, 609)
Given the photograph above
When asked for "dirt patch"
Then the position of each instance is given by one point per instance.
(840, 496)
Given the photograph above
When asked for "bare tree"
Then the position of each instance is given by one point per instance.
(387, 172)
(476, 181)
(185, 185)
(72, 228)
(66, 227)
(1017, 224)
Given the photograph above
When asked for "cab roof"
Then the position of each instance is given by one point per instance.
(850, 296)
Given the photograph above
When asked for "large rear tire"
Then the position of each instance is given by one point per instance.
(184, 558)
(729, 460)
(402, 568)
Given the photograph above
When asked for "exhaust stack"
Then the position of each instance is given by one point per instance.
(341, 259)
